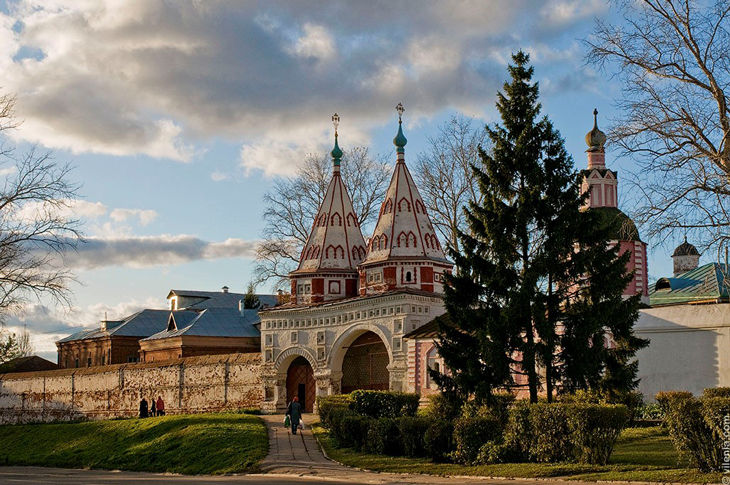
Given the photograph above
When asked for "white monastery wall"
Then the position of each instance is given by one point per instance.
(689, 348)
(189, 385)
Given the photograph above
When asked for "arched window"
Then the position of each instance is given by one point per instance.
(426, 239)
(408, 277)
(322, 220)
(402, 240)
(383, 241)
(388, 207)
(420, 208)
(404, 205)
(336, 220)
(351, 220)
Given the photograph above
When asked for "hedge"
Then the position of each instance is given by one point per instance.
(696, 426)
(540, 432)
(327, 405)
(384, 404)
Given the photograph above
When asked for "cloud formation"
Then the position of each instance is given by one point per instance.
(159, 78)
(150, 251)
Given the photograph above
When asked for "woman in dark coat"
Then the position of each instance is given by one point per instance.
(143, 409)
(294, 411)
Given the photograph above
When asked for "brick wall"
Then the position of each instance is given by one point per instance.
(188, 385)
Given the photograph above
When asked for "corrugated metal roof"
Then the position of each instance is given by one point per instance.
(218, 299)
(140, 324)
(708, 282)
(214, 322)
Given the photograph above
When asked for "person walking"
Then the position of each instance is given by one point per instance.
(153, 410)
(143, 409)
(160, 406)
(294, 411)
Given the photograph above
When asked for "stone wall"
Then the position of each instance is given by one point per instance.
(188, 385)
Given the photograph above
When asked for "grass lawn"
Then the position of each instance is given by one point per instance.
(641, 454)
(190, 444)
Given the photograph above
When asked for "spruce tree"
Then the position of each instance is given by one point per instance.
(537, 291)
(250, 300)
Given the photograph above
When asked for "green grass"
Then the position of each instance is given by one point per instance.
(641, 454)
(190, 444)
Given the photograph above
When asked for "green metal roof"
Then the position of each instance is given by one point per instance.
(706, 283)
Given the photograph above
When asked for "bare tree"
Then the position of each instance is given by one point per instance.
(292, 203)
(444, 175)
(673, 58)
(35, 227)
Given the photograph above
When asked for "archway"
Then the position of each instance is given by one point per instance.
(365, 365)
(300, 383)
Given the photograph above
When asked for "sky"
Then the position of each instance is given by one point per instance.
(178, 116)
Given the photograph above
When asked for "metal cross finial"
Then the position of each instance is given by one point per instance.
(336, 122)
(595, 116)
(400, 109)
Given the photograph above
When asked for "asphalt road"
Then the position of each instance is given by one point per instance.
(58, 476)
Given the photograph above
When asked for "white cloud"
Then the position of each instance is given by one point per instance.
(219, 176)
(144, 216)
(4, 172)
(150, 251)
(316, 42)
(160, 78)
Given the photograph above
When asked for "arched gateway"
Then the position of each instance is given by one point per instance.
(365, 365)
(300, 383)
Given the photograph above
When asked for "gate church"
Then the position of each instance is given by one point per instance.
(351, 303)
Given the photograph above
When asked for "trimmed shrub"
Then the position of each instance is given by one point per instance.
(384, 404)
(716, 392)
(412, 432)
(696, 428)
(349, 430)
(550, 432)
(666, 398)
(439, 439)
(470, 434)
(498, 409)
(594, 429)
(519, 434)
(327, 405)
(383, 437)
(443, 407)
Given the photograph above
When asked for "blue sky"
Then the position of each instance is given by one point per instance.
(177, 115)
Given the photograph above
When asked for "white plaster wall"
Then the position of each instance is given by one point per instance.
(689, 348)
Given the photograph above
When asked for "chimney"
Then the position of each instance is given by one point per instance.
(103, 325)
(224, 289)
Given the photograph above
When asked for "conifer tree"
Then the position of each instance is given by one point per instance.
(537, 290)
(250, 300)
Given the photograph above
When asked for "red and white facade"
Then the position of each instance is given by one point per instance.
(352, 303)
(603, 185)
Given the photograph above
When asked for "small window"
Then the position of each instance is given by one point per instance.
(408, 276)
(88, 362)
(76, 363)
(103, 360)
(436, 367)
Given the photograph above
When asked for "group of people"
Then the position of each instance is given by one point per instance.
(158, 408)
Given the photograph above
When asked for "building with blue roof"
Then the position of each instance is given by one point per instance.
(195, 323)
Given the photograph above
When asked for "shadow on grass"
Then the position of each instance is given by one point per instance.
(189, 444)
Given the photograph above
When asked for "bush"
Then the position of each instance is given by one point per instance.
(519, 433)
(412, 431)
(716, 392)
(651, 411)
(327, 405)
(470, 434)
(665, 398)
(384, 404)
(383, 437)
(439, 439)
(349, 429)
(442, 407)
(498, 409)
(550, 432)
(594, 429)
(696, 427)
